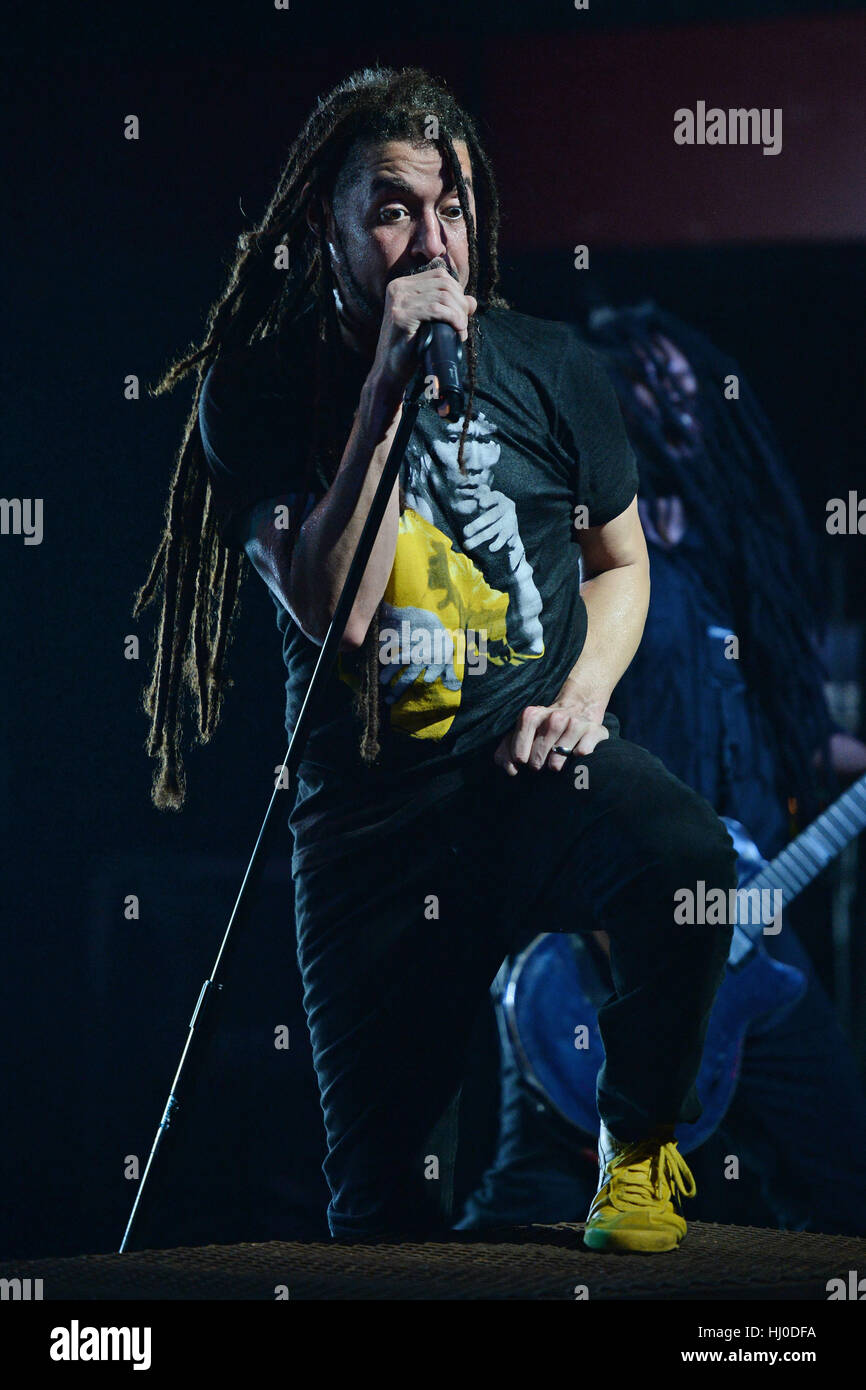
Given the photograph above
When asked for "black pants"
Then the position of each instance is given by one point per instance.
(398, 946)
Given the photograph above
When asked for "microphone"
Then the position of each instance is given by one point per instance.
(441, 351)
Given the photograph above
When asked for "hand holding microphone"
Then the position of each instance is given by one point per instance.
(426, 313)
(441, 351)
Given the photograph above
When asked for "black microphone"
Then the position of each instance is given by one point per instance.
(441, 351)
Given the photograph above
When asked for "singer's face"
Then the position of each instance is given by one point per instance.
(394, 209)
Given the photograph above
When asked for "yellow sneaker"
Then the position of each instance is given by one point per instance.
(639, 1183)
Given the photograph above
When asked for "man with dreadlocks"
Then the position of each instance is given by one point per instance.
(433, 841)
(731, 558)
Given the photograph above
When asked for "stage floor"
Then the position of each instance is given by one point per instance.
(533, 1262)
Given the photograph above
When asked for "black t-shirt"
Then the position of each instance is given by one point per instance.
(483, 613)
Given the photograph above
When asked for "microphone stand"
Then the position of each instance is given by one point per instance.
(325, 665)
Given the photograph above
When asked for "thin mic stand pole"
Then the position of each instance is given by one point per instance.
(325, 664)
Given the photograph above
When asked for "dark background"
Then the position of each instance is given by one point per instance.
(113, 252)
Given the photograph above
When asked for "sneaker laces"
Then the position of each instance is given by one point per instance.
(647, 1171)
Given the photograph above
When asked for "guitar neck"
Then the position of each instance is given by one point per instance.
(804, 858)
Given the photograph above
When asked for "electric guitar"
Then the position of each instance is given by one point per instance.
(555, 979)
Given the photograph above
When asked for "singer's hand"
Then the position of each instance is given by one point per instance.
(410, 301)
(540, 728)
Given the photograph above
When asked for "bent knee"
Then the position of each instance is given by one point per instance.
(703, 852)
(691, 845)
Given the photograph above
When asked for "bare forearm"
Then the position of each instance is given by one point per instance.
(616, 605)
(616, 599)
(329, 537)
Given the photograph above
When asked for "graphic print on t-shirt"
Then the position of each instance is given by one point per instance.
(454, 602)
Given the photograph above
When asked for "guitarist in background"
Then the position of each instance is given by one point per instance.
(727, 690)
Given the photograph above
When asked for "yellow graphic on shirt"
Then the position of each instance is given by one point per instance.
(441, 616)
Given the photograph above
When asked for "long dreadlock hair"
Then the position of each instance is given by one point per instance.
(198, 575)
(758, 557)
